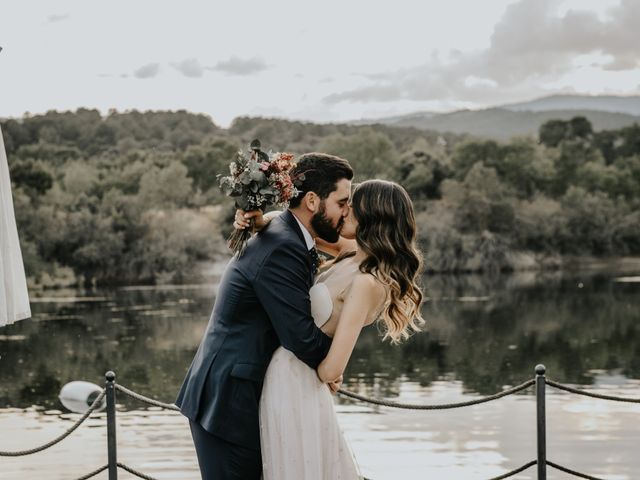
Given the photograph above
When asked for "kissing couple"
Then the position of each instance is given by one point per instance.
(258, 394)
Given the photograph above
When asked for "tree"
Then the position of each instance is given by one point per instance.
(79, 177)
(371, 154)
(572, 156)
(15, 135)
(537, 224)
(467, 154)
(588, 219)
(553, 132)
(606, 141)
(480, 202)
(522, 165)
(30, 176)
(204, 162)
(166, 187)
(89, 245)
(626, 233)
(421, 171)
(174, 240)
(629, 141)
(580, 127)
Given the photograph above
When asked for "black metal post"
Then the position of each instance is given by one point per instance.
(111, 424)
(542, 418)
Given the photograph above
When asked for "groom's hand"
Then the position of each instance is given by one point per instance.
(336, 384)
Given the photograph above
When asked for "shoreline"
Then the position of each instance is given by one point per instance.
(520, 262)
(209, 272)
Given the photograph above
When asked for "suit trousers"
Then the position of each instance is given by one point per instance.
(221, 460)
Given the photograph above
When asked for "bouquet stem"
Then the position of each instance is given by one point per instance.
(237, 241)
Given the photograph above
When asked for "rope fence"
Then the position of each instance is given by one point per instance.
(572, 472)
(516, 471)
(577, 391)
(150, 401)
(540, 381)
(443, 406)
(94, 473)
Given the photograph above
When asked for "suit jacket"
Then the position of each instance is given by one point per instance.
(262, 303)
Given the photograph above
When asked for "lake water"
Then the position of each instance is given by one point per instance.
(483, 335)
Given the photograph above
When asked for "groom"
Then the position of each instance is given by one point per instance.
(262, 303)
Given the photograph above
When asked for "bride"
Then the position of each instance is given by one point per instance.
(373, 277)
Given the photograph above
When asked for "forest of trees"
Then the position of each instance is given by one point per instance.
(133, 198)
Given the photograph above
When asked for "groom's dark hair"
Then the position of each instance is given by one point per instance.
(319, 173)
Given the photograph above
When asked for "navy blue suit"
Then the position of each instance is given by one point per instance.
(262, 303)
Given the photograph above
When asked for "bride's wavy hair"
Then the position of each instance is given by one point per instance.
(386, 233)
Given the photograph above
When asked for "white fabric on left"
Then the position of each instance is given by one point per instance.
(14, 298)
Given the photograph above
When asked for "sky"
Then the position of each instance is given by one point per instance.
(329, 61)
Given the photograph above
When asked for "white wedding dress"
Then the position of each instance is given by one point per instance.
(14, 299)
(299, 432)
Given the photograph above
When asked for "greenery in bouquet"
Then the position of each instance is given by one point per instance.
(257, 181)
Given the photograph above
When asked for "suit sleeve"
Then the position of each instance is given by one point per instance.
(281, 286)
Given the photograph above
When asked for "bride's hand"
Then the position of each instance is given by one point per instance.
(336, 384)
(242, 220)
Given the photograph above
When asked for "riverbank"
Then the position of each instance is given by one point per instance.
(521, 262)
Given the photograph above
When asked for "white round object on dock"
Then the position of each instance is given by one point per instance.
(78, 396)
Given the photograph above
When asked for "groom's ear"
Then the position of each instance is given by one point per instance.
(311, 201)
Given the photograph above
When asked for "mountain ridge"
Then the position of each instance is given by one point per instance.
(524, 118)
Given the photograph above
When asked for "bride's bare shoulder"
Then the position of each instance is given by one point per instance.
(366, 286)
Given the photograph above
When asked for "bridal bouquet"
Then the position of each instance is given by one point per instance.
(258, 180)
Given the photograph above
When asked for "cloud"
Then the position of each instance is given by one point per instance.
(189, 68)
(530, 45)
(622, 62)
(239, 66)
(57, 18)
(380, 93)
(149, 70)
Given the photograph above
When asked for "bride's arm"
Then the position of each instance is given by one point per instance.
(362, 303)
(262, 220)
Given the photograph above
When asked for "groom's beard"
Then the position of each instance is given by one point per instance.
(323, 227)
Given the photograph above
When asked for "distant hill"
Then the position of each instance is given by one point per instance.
(397, 120)
(604, 103)
(503, 123)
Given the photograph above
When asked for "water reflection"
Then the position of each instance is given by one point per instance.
(485, 333)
